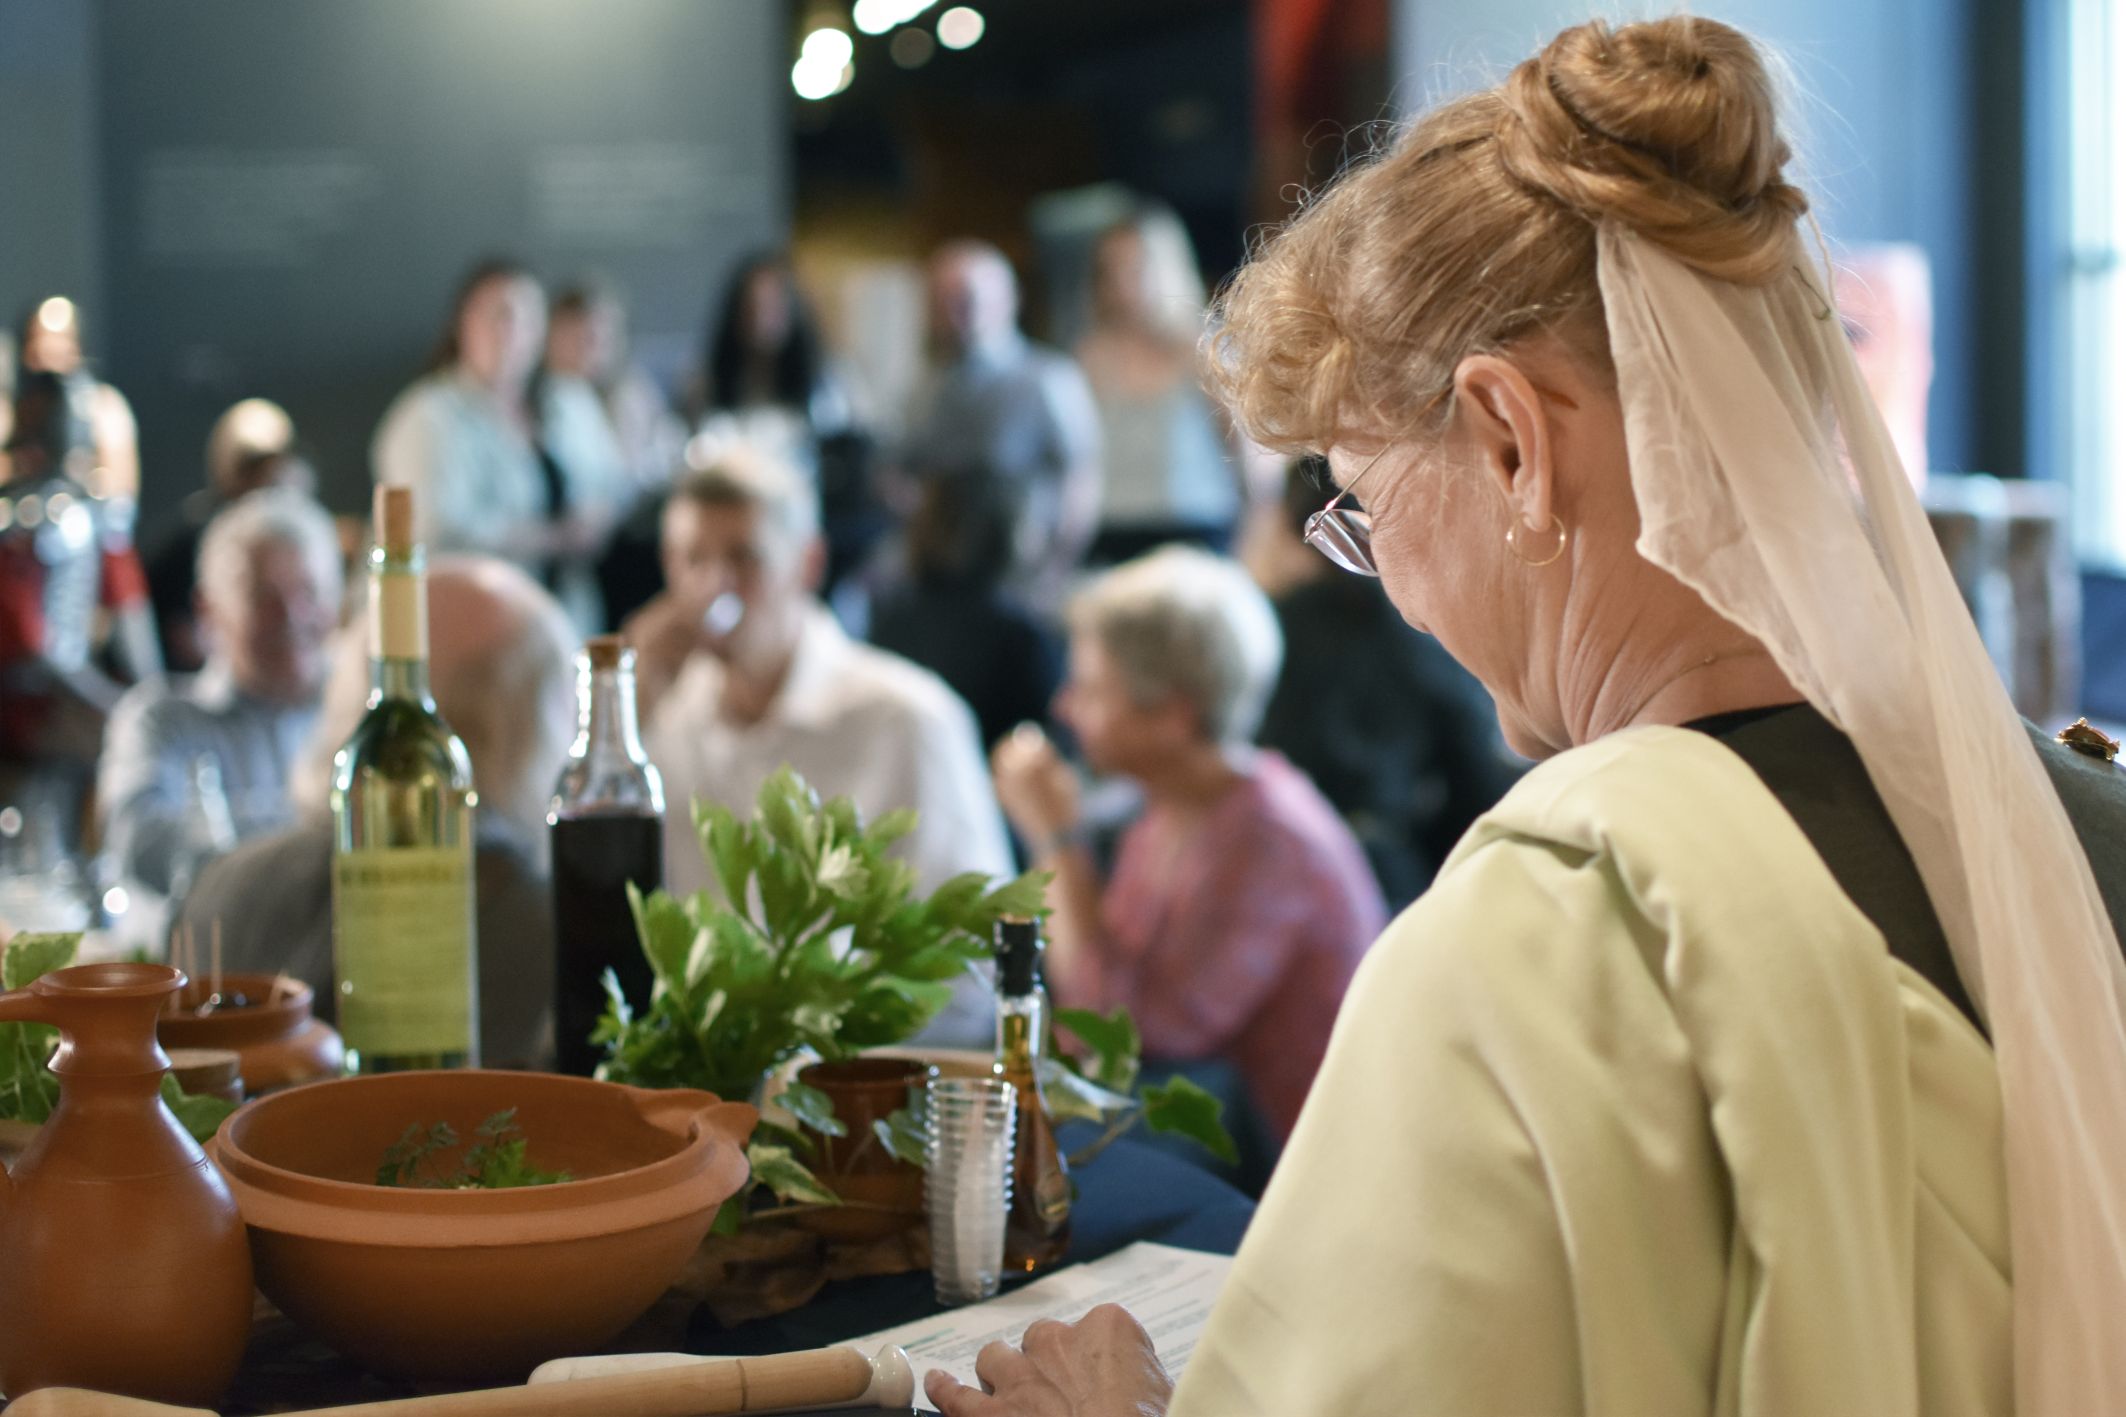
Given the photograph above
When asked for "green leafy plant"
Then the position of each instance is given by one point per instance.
(28, 1091)
(815, 940)
(494, 1162)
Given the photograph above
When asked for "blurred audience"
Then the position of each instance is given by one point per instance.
(996, 403)
(74, 622)
(741, 670)
(252, 445)
(1400, 738)
(102, 434)
(587, 358)
(501, 665)
(954, 617)
(498, 468)
(1239, 904)
(768, 382)
(193, 765)
(1168, 472)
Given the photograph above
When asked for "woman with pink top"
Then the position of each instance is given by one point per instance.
(1239, 904)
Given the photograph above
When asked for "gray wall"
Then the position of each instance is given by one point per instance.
(289, 189)
(1891, 108)
(48, 227)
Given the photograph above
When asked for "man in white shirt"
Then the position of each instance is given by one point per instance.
(741, 670)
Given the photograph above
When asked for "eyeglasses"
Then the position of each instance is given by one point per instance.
(1345, 534)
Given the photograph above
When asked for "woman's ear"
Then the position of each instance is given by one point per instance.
(1506, 424)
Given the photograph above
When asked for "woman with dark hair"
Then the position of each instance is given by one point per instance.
(499, 467)
(766, 382)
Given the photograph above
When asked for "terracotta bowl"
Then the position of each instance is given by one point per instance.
(465, 1286)
(277, 1038)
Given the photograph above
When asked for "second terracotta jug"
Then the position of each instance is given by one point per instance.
(123, 1259)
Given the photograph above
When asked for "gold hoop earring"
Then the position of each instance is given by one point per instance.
(1513, 542)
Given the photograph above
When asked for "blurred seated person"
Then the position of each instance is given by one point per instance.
(1168, 469)
(74, 623)
(1400, 738)
(49, 341)
(587, 358)
(741, 670)
(252, 445)
(1239, 904)
(269, 597)
(499, 467)
(953, 616)
(1018, 410)
(501, 664)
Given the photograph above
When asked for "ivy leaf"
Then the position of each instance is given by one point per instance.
(1026, 896)
(813, 1108)
(201, 1116)
(892, 827)
(1181, 1108)
(903, 1135)
(30, 957)
(790, 1179)
(732, 1213)
(1114, 1043)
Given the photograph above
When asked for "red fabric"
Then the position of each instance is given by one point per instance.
(125, 582)
(22, 630)
(1236, 937)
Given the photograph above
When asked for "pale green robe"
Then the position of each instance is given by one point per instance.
(1632, 1114)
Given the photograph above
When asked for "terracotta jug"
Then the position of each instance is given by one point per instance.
(123, 1260)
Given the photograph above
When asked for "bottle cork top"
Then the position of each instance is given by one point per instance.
(394, 520)
(1018, 951)
(606, 651)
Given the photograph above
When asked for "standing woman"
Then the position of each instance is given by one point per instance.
(1167, 471)
(497, 467)
(1764, 1051)
(103, 430)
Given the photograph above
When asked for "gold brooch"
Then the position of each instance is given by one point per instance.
(2088, 741)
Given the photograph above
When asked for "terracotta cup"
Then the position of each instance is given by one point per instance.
(883, 1195)
(123, 1262)
(277, 1039)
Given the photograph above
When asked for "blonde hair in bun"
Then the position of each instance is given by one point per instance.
(1475, 227)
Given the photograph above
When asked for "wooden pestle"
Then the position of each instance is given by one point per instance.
(820, 1378)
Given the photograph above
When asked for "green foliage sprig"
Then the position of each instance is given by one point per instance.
(495, 1161)
(28, 1091)
(815, 940)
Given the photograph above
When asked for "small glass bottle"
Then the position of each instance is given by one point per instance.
(607, 819)
(1037, 1229)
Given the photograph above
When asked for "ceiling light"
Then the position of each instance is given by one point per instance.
(815, 80)
(829, 48)
(960, 26)
(912, 48)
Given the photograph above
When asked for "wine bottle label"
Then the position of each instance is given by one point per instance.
(402, 927)
(399, 627)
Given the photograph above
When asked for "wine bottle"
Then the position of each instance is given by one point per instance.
(402, 865)
(1037, 1228)
(607, 820)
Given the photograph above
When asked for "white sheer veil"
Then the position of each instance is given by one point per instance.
(1767, 482)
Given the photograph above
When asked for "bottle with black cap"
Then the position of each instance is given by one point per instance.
(1037, 1230)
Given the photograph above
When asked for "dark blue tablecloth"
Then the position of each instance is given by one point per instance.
(1130, 1192)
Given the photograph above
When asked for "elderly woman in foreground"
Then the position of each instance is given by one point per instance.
(1240, 903)
(1740, 1057)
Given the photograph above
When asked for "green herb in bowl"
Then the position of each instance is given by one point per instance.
(495, 1162)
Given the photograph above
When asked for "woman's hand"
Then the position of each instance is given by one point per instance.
(1103, 1365)
(1038, 790)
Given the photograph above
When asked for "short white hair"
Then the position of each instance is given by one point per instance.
(734, 473)
(271, 514)
(1183, 623)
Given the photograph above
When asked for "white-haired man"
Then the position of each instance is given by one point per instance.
(742, 670)
(269, 596)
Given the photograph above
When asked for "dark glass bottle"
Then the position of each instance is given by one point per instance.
(1037, 1230)
(607, 820)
